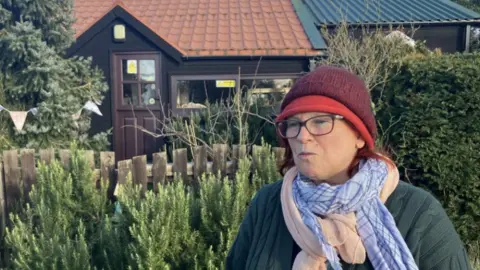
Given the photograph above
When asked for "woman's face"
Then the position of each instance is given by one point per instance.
(324, 158)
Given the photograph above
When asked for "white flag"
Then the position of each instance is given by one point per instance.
(34, 111)
(91, 106)
(2, 108)
(18, 119)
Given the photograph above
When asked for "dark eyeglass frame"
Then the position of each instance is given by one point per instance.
(304, 124)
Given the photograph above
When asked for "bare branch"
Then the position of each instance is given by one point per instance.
(371, 56)
(220, 122)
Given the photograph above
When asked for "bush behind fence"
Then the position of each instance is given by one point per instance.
(167, 228)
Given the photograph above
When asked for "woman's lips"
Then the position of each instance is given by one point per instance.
(304, 155)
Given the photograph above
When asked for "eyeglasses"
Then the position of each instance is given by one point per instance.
(317, 126)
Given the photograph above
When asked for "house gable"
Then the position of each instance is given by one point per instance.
(120, 13)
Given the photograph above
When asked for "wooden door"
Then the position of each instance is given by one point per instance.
(136, 95)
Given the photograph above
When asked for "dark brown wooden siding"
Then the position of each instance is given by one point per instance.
(100, 48)
(98, 43)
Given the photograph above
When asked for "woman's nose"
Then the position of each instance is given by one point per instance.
(304, 135)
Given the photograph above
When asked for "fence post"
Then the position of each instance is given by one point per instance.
(219, 158)
(47, 155)
(180, 161)
(12, 179)
(159, 169)
(124, 168)
(28, 170)
(199, 162)
(107, 167)
(238, 152)
(90, 157)
(65, 156)
(242, 151)
(140, 171)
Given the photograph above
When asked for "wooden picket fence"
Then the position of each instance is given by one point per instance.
(160, 170)
(18, 169)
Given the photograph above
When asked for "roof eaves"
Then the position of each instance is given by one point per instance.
(444, 22)
(309, 25)
(275, 53)
(216, 57)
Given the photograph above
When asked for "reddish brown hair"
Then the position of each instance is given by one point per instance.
(366, 153)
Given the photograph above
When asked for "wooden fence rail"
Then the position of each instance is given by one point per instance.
(18, 168)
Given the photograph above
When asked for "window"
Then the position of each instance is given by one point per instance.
(267, 91)
(192, 92)
(138, 82)
(195, 93)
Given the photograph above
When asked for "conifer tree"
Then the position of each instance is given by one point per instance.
(34, 73)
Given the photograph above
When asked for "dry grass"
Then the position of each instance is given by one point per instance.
(476, 264)
(475, 260)
(475, 256)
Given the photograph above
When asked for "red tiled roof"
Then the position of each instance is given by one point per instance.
(211, 27)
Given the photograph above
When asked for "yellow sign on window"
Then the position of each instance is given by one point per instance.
(225, 83)
(132, 66)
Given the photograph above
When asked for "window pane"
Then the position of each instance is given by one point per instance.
(147, 70)
(149, 96)
(129, 70)
(195, 93)
(130, 94)
(266, 92)
(259, 86)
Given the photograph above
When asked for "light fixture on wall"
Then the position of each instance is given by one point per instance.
(119, 32)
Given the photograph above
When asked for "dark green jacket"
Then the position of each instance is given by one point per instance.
(264, 242)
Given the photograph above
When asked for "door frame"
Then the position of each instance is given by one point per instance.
(116, 79)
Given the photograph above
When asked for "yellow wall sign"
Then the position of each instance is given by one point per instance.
(225, 83)
(132, 66)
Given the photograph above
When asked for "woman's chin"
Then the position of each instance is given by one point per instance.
(308, 172)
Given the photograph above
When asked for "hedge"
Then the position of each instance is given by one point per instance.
(429, 116)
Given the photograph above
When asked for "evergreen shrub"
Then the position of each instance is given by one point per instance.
(35, 73)
(68, 224)
(429, 118)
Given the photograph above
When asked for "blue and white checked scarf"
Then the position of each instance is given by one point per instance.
(376, 227)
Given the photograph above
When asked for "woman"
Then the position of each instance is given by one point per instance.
(340, 204)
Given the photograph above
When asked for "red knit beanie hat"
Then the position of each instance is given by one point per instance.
(333, 90)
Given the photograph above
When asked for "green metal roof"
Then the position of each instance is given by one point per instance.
(308, 23)
(314, 13)
(332, 12)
